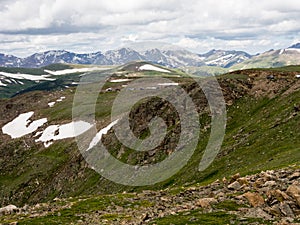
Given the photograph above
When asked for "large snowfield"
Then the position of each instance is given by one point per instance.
(20, 76)
(22, 126)
(59, 132)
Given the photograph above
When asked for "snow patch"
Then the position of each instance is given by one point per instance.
(98, 136)
(281, 51)
(167, 84)
(61, 99)
(2, 84)
(51, 104)
(293, 49)
(151, 88)
(221, 60)
(59, 132)
(21, 125)
(151, 67)
(26, 76)
(69, 71)
(119, 80)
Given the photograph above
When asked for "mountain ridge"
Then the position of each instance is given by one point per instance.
(170, 58)
(272, 58)
(297, 45)
(173, 58)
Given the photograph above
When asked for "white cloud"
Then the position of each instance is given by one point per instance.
(188, 43)
(285, 26)
(31, 25)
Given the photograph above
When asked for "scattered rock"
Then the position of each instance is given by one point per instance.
(224, 180)
(274, 210)
(206, 202)
(294, 176)
(286, 210)
(235, 177)
(234, 186)
(145, 217)
(221, 196)
(254, 199)
(258, 213)
(294, 191)
(25, 208)
(280, 189)
(275, 196)
(13, 223)
(243, 181)
(259, 182)
(270, 183)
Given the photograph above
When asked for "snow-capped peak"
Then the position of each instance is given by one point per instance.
(297, 45)
(167, 57)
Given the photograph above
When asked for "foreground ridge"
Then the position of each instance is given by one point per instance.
(269, 197)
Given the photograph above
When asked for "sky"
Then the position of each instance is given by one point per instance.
(29, 26)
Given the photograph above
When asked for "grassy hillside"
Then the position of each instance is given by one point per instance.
(263, 120)
(205, 71)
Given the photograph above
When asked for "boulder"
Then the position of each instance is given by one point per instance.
(275, 196)
(274, 210)
(234, 186)
(270, 183)
(254, 199)
(258, 213)
(206, 202)
(243, 181)
(235, 177)
(294, 175)
(259, 182)
(294, 191)
(286, 210)
(225, 181)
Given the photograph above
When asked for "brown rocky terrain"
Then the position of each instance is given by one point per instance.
(272, 196)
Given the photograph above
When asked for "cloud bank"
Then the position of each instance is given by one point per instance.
(28, 26)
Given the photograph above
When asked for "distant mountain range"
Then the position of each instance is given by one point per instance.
(170, 58)
(273, 58)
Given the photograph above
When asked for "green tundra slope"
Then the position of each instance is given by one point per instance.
(262, 133)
